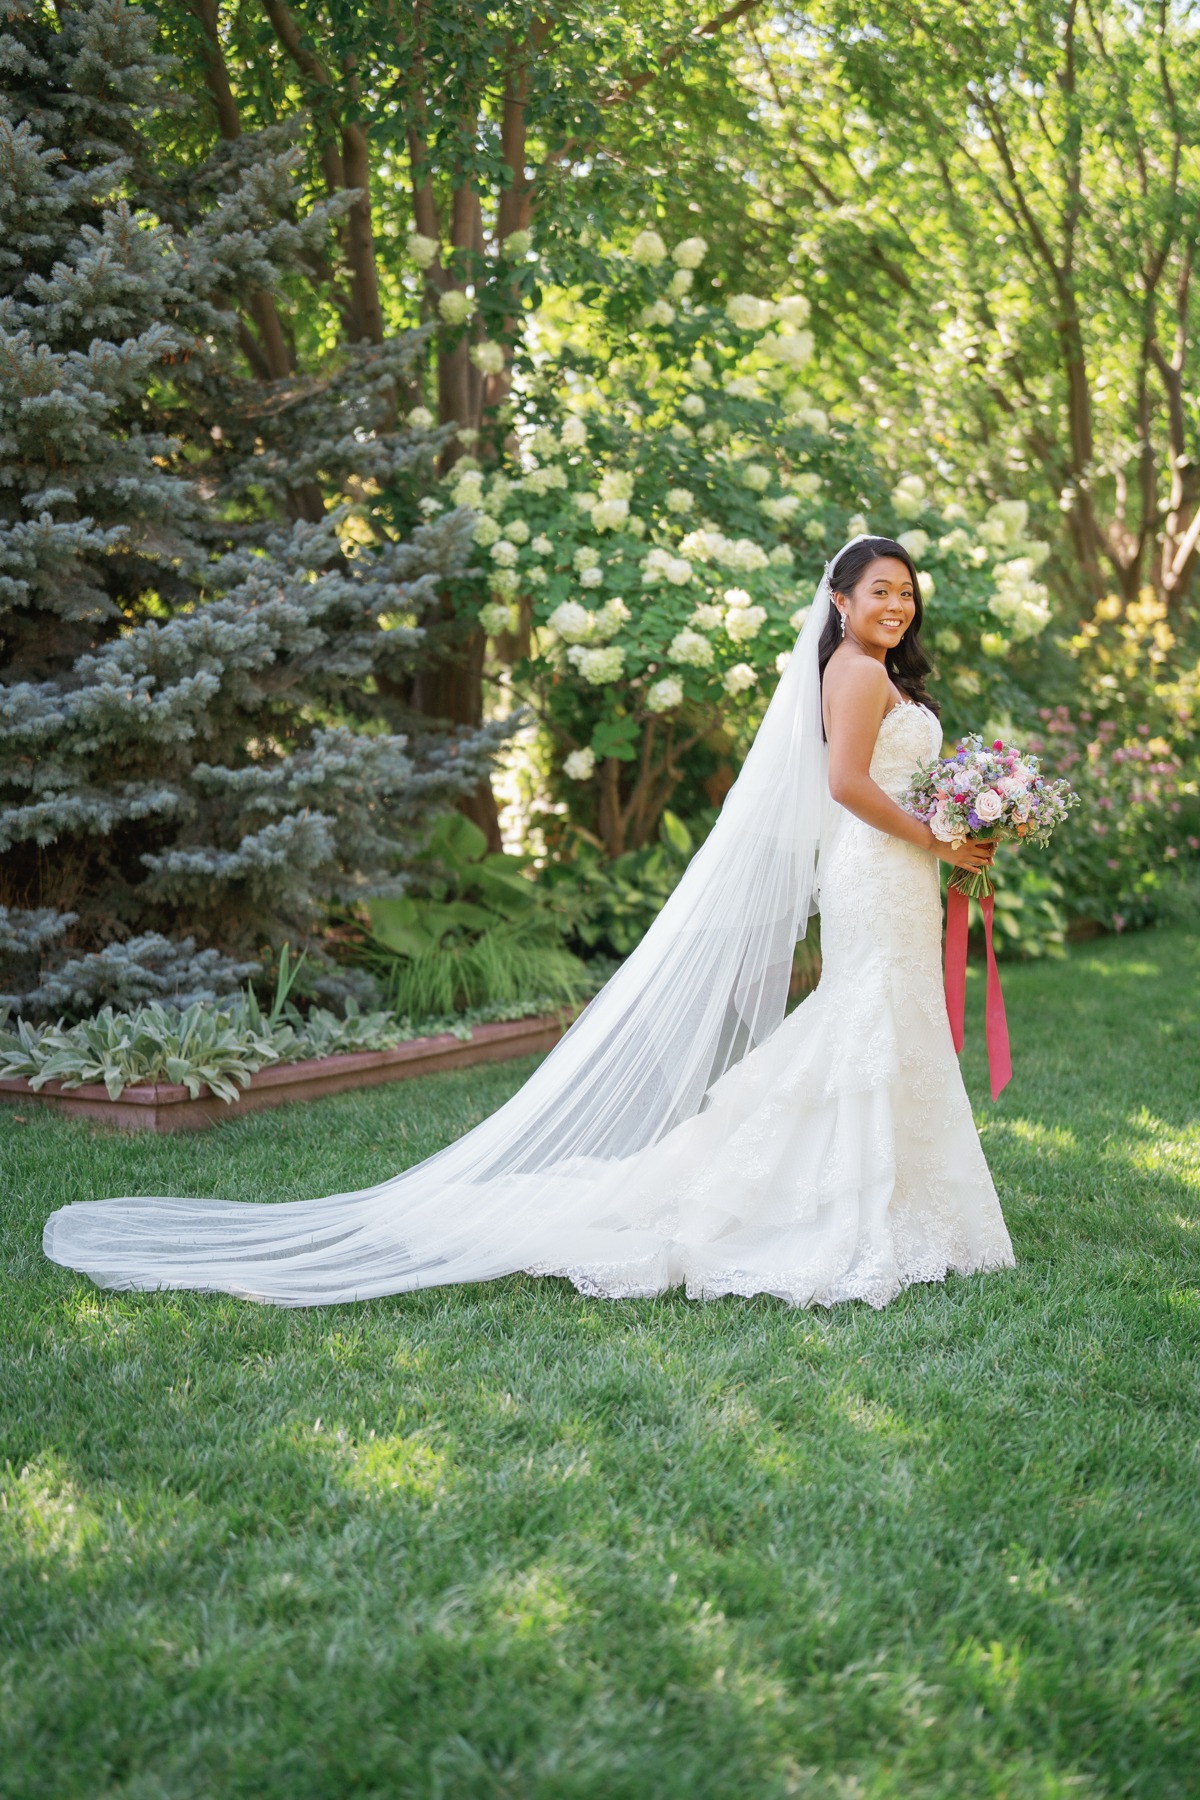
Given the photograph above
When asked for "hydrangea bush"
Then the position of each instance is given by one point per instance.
(671, 486)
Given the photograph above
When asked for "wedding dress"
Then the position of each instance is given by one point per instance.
(683, 1130)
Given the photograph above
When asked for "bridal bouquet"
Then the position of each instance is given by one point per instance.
(987, 793)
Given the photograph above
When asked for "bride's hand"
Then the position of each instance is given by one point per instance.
(972, 853)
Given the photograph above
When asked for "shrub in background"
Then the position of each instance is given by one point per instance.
(198, 741)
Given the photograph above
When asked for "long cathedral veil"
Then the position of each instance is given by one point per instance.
(550, 1180)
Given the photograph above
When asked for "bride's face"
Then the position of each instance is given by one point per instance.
(881, 605)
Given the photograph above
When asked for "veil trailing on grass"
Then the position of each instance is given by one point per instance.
(561, 1178)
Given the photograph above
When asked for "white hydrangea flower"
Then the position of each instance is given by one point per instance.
(597, 665)
(815, 417)
(488, 357)
(956, 513)
(580, 765)
(486, 532)
(793, 311)
(1020, 602)
(542, 545)
(908, 497)
(925, 582)
(495, 617)
(681, 282)
(517, 245)
(505, 582)
(420, 418)
(680, 500)
(517, 531)
(739, 679)
(707, 617)
(742, 555)
(659, 312)
(701, 368)
(678, 571)
(745, 622)
(692, 648)
(780, 507)
(636, 527)
(702, 545)
(553, 478)
(586, 557)
(748, 312)
(756, 476)
(536, 576)
(572, 622)
(680, 432)
(815, 530)
(467, 436)
(808, 484)
(782, 556)
(455, 307)
(592, 578)
(429, 506)
(916, 542)
(954, 543)
(574, 433)
(585, 501)
(616, 484)
(689, 253)
(664, 694)
(537, 482)
(857, 526)
(707, 434)
(608, 621)
(499, 488)
(798, 617)
(1012, 516)
(794, 348)
(648, 249)
(947, 639)
(782, 661)
(742, 387)
(738, 597)
(468, 489)
(422, 249)
(543, 442)
(609, 515)
(693, 405)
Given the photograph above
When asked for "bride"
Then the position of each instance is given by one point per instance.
(684, 1130)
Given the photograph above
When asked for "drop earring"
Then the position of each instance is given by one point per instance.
(842, 617)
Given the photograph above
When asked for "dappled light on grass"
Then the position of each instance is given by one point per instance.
(506, 1540)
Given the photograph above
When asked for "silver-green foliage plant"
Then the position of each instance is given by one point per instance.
(203, 651)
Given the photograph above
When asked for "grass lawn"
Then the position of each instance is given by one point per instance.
(506, 1541)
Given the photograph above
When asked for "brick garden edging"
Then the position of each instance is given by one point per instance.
(168, 1107)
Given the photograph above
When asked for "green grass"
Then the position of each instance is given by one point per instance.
(506, 1541)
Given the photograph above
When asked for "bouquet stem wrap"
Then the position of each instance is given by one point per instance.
(957, 910)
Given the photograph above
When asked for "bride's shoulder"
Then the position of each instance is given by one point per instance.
(856, 681)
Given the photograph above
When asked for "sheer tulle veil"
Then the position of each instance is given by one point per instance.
(548, 1182)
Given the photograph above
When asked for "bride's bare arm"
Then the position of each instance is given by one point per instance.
(856, 698)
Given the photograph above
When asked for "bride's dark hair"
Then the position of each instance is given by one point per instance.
(907, 663)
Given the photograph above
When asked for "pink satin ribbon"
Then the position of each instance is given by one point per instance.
(999, 1059)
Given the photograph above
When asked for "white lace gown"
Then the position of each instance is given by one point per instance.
(839, 1160)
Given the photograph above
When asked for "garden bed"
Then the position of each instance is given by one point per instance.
(167, 1106)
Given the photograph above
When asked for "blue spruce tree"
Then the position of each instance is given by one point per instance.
(203, 742)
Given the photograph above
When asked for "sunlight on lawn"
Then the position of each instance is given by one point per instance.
(44, 1516)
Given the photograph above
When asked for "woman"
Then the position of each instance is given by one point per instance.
(684, 1130)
